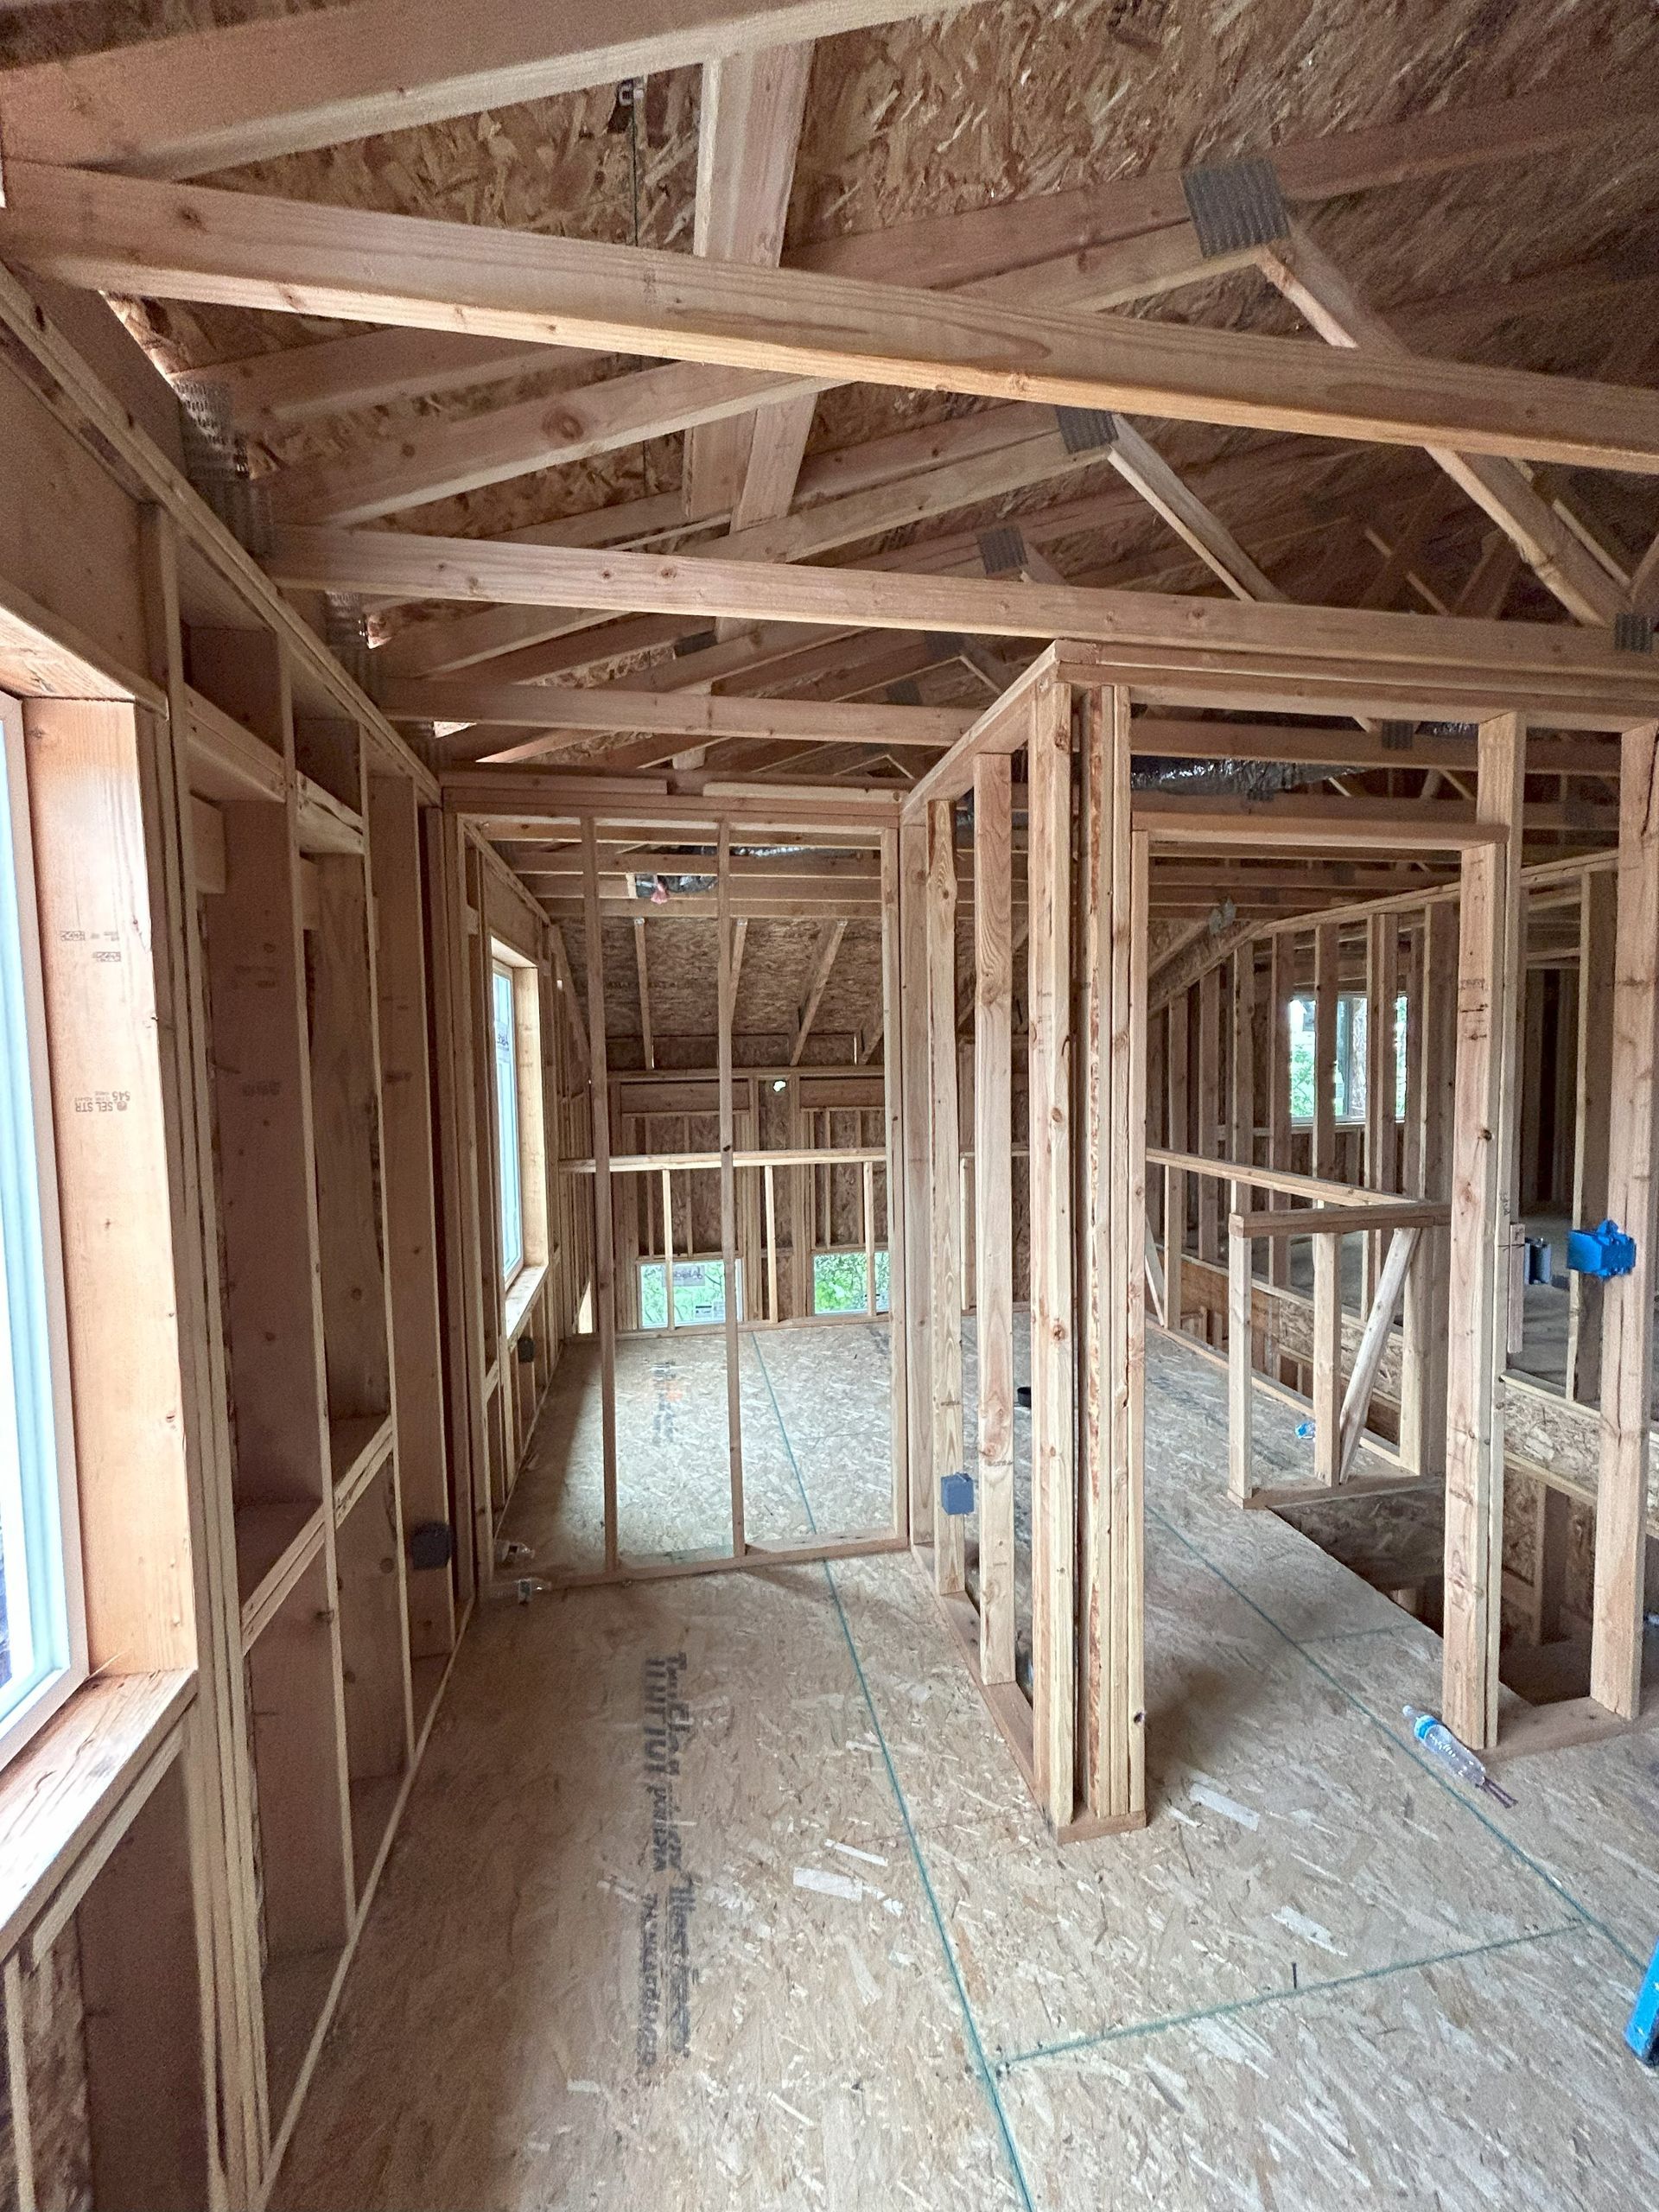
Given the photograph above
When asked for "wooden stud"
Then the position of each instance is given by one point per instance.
(1279, 1118)
(604, 1251)
(1382, 990)
(1592, 1120)
(1180, 1131)
(1327, 954)
(1053, 1382)
(1633, 1202)
(728, 1196)
(993, 1209)
(1241, 1383)
(1328, 1359)
(1426, 1323)
(410, 1204)
(897, 1080)
(1482, 1152)
(945, 1148)
(643, 973)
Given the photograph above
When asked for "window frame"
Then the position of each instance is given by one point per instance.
(507, 1104)
(1351, 1055)
(50, 1492)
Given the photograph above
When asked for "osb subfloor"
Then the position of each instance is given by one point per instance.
(810, 1945)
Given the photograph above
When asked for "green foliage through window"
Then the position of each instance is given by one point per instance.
(839, 1283)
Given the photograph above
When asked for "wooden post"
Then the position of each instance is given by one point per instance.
(1593, 1118)
(1209, 1143)
(1113, 1722)
(1482, 1153)
(599, 1093)
(729, 1192)
(896, 1081)
(410, 1204)
(1241, 1387)
(1053, 1398)
(1627, 1301)
(994, 1206)
(1382, 990)
(1427, 1319)
(1279, 1093)
(1327, 1357)
(1179, 1129)
(1241, 1144)
(915, 1182)
(1327, 954)
(950, 1539)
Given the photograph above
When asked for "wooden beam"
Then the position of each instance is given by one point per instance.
(1292, 822)
(1053, 1376)
(1108, 632)
(1482, 1143)
(695, 717)
(186, 242)
(1632, 1192)
(824, 959)
(993, 1209)
(1317, 286)
(409, 465)
(206, 100)
(748, 129)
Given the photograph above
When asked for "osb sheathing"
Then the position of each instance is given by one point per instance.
(681, 960)
(998, 102)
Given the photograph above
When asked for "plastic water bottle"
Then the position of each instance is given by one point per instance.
(1434, 1736)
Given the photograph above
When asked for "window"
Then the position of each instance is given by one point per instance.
(699, 1294)
(43, 1654)
(839, 1283)
(1351, 1018)
(508, 1150)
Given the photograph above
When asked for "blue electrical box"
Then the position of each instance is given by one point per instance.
(1603, 1251)
(956, 1494)
(1642, 2033)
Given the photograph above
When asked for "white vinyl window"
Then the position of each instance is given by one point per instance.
(42, 1642)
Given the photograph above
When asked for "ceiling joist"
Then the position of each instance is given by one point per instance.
(242, 248)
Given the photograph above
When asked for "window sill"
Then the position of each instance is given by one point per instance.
(521, 1296)
(63, 1788)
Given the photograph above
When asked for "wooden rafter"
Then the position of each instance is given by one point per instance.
(183, 105)
(824, 959)
(1309, 278)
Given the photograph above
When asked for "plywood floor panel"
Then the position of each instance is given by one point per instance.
(1324, 1975)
